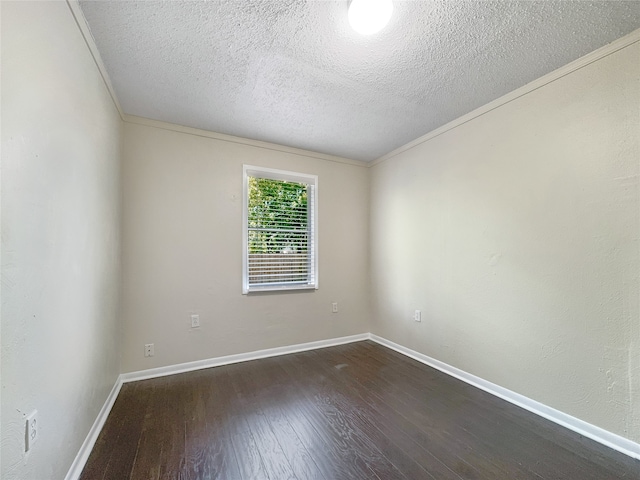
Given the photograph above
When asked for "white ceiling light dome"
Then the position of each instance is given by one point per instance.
(369, 16)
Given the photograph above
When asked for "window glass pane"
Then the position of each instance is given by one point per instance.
(279, 232)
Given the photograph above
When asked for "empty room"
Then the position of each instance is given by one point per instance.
(296, 239)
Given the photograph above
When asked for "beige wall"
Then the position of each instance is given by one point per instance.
(517, 235)
(60, 238)
(182, 251)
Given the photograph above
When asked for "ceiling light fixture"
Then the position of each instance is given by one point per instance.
(369, 16)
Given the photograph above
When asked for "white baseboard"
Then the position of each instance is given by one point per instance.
(600, 435)
(611, 440)
(85, 450)
(240, 357)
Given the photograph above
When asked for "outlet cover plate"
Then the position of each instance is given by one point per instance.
(31, 432)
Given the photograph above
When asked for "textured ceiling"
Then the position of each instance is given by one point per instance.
(293, 72)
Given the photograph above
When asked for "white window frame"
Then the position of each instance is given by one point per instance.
(284, 175)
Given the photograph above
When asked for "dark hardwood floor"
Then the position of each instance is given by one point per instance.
(357, 411)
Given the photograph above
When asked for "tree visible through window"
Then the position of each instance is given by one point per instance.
(279, 230)
(277, 216)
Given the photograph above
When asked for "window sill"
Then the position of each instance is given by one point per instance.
(278, 288)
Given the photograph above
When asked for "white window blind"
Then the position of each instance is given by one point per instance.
(279, 230)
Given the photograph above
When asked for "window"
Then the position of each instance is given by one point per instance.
(279, 230)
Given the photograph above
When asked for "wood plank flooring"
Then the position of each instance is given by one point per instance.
(356, 411)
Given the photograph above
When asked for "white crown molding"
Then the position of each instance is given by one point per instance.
(85, 450)
(76, 11)
(594, 56)
(78, 16)
(240, 140)
(581, 62)
(81, 21)
(600, 435)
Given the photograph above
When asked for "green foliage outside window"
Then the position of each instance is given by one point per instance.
(278, 216)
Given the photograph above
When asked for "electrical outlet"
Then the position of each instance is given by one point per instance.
(334, 307)
(148, 350)
(417, 316)
(195, 321)
(31, 432)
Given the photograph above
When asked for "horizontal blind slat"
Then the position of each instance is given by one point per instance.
(279, 233)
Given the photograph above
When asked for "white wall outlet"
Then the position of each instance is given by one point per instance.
(334, 307)
(195, 321)
(149, 351)
(417, 316)
(31, 432)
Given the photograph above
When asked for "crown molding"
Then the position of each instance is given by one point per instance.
(581, 62)
(81, 21)
(78, 15)
(239, 140)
